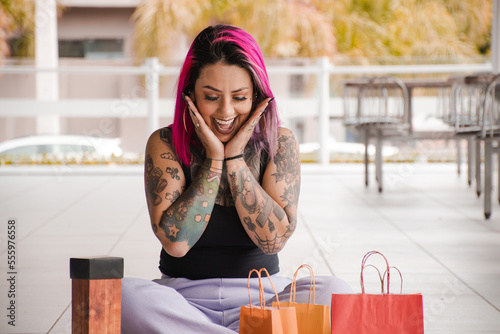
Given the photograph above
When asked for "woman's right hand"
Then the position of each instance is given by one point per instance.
(214, 148)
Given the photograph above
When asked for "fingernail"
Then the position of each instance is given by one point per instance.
(184, 96)
(271, 100)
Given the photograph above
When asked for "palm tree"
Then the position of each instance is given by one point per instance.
(17, 22)
(281, 27)
(16, 19)
(428, 28)
(286, 28)
(473, 20)
(359, 26)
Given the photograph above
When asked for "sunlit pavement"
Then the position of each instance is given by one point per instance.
(428, 222)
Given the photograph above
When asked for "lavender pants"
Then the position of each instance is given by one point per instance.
(212, 306)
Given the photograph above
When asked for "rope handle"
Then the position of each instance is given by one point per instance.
(260, 283)
(379, 276)
(312, 285)
(262, 298)
(364, 265)
(400, 275)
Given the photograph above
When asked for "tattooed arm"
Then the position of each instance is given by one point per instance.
(268, 212)
(178, 216)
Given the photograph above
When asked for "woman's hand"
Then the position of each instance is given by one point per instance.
(238, 143)
(214, 148)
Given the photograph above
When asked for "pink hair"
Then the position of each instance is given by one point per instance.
(232, 46)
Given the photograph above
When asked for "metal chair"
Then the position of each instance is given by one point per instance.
(490, 135)
(468, 97)
(445, 111)
(379, 108)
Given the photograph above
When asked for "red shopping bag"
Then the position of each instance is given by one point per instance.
(266, 320)
(384, 313)
(311, 318)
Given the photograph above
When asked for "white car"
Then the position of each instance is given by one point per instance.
(59, 148)
(309, 151)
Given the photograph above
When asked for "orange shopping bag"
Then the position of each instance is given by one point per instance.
(311, 318)
(266, 320)
(377, 314)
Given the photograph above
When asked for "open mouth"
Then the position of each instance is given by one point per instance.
(224, 126)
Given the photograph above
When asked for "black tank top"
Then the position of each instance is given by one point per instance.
(224, 250)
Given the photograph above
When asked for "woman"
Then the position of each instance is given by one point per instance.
(222, 187)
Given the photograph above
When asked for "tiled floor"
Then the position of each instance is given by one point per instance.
(428, 223)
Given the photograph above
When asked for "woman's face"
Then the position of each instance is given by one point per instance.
(223, 95)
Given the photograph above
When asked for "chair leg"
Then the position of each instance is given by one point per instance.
(487, 178)
(378, 160)
(478, 166)
(470, 159)
(459, 157)
(367, 157)
(498, 167)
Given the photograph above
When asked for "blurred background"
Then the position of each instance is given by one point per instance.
(104, 71)
(409, 82)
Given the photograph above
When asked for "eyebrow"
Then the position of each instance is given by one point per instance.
(219, 91)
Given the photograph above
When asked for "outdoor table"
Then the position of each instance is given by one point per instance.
(389, 127)
(467, 119)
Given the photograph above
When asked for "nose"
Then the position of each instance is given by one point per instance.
(226, 109)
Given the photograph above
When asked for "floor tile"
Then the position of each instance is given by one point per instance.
(427, 222)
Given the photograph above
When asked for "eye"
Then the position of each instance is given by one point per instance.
(211, 98)
(240, 98)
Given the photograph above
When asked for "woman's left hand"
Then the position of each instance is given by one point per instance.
(238, 143)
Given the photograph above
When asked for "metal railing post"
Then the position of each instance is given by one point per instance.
(153, 93)
(495, 38)
(324, 111)
(46, 55)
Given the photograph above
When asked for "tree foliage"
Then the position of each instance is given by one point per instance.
(427, 28)
(295, 28)
(16, 20)
(17, 24)
(286, 28)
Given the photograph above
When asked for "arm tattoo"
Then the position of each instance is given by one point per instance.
(263, 211)
(248, 222)
(260, 208)
(155, 184)
(186, 218)
(287, 161)
(274, 245)
(172, 196)
(173, 173)
(168, 156)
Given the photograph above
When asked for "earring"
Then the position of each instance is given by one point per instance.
(265, 124)
(184, 119)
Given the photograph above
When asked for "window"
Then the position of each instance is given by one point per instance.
(23, 150)
(92, 48)
(71, 49)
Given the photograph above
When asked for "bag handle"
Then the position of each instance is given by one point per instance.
(262, 298)
(364, 265)
(312, 285)
(260, 283)
(400, 275)
(379, 276)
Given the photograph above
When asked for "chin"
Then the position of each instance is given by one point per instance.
(225, 138)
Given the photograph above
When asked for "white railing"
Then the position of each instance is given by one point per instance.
(152, 105)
